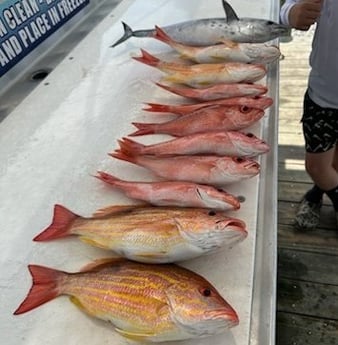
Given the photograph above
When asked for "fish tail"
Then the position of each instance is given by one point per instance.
(123, 156)
(107, 178)
(128, 32)
(44, 288)
(162, 36)
(62, 221)
(143, 129)
(168, 88)
(147, 58)
(130, 146)
(158, 108)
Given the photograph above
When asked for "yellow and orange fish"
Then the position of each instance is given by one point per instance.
(201, 75)
(143, 302)
(148, 233)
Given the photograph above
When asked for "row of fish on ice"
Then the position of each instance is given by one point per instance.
(184, 215)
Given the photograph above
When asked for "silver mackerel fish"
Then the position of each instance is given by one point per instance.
(204, 32)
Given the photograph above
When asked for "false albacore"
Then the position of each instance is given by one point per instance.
(204, 32)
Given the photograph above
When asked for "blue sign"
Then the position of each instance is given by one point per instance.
(24, 24)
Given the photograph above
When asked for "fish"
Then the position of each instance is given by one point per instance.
(143, 302)
(210, 119)
(211, 170)
(220, 143)
(201, 75)
(218, 91)
(147, 233)
(173, 193)
(227, 51)
(257, 102)
(208, 31)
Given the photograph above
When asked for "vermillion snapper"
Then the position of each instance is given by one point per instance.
(218, 91)
(212, 170)
(150, 303)
(148, 233)
(174, 193)
(220, 143)
(183, 109)
(210, 119)
(204, 32)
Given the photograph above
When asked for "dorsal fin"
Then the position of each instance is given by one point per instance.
(229, 12)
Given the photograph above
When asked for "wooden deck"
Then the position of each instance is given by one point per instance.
(307, 306)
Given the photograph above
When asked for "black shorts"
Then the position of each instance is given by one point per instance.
(320, 126)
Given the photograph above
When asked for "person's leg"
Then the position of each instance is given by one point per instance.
(320, 160)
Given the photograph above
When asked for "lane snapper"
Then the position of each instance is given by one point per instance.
(227, 51)
(210, 119)
(257, 102)
(173, 193)
(147, 233)
(201, 75)
(151, 303)
(207, 31)
(218, 91)
(212, 170)
(220, 143)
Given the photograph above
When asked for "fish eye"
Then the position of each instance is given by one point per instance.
(212, 213)
(206, 292)
(245, 109)
(238, 159)
(269, 22)
(249, 135)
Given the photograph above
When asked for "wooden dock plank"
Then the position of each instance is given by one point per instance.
(307, 308)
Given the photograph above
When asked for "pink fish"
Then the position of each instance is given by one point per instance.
(201, 75)
(220, 143)
(173, 193)
(218, 91)
(257, 102)
(210, 119)
(213, 170)
(227, 51)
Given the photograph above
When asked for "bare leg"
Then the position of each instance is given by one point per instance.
(322, 168)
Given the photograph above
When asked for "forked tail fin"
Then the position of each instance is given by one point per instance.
(44, 288)
(128, 32)
(147, 58)
(62, 221)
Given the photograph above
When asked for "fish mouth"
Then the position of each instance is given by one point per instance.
(229, 315)
(236, 224)
(251, 165)
(281, 30)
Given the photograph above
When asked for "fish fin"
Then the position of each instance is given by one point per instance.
(92, 242)
(44, 288)
(229, 43)
(134, 335)
(116, 209)
(107, 178)
(161, 35)
(173, 78)
(147, 58)
(153, 255)
(61, 224)
(79, 305)
(130, 146)
(229, 12)
(158, 108)
(124, 156)
(143, 129)
(128, 32)
(98, 264)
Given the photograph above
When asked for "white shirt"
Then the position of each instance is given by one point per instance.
(323, 79)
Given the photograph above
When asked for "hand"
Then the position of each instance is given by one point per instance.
(303, 14)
